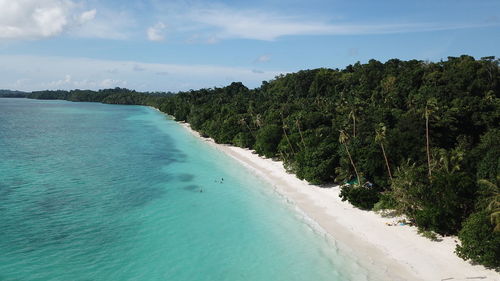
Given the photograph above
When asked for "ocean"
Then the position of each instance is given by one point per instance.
(91, 191)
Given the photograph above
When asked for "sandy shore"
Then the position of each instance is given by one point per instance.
(394, 251)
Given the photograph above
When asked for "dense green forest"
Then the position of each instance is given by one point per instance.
(418, 137)
(12, 94)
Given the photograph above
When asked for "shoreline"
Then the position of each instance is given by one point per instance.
(394, 251)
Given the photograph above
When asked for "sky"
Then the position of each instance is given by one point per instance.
(177, 45)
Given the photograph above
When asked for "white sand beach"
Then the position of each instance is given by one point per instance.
(396, 251)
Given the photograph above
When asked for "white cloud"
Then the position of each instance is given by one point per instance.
(36, 73)
(111, 83)
(138, 68)
(198, 38)
(68, 83)
(28, 19)
(87, 16)
(253, 24)
(212, 39)
(105, 24)
(155, 32)
(263, 58)
(19, 84)
(192, 22)
(33, 19)
(227, 23)
(36, 19)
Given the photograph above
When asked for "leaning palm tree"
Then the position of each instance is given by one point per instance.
(343, 138)
(380, 138)
(297, 123)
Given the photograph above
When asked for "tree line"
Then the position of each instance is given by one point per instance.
(421, 138)
(12, 94)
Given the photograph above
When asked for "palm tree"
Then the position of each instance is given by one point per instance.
(355, 108)
(430, 108)
(257, 121)
(286, 135)
(242, 121)
(343, 138)
(380, 138)
(492, 193)
(297, 123)
(352, 114)
(448, 160)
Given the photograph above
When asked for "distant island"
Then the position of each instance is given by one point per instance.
(416, 137)
(12, 94)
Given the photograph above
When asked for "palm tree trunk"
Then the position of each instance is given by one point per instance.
(428, 143)
(386, 162)
(354, 125)
(282, 156)
(286, 135)
(287, 139)
(300, 132)
(251, 132)
(352, 163)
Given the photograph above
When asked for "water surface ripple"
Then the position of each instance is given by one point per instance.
(104, 192)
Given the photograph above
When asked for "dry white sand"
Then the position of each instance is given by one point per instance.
(398, 252)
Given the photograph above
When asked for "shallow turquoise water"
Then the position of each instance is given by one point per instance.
(105, 192)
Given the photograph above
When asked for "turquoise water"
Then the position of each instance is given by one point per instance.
(106, 192)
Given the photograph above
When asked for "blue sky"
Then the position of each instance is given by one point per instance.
(155, 45)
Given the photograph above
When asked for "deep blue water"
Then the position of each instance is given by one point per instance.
(106, 192)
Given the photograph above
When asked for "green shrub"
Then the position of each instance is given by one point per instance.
(361, 197)
(243, 139)
(429, 234)
(488, 167)
(316, 165)
(440, 204)
(446, 202)
(386, 202)
(479, 242)
(267, 140)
